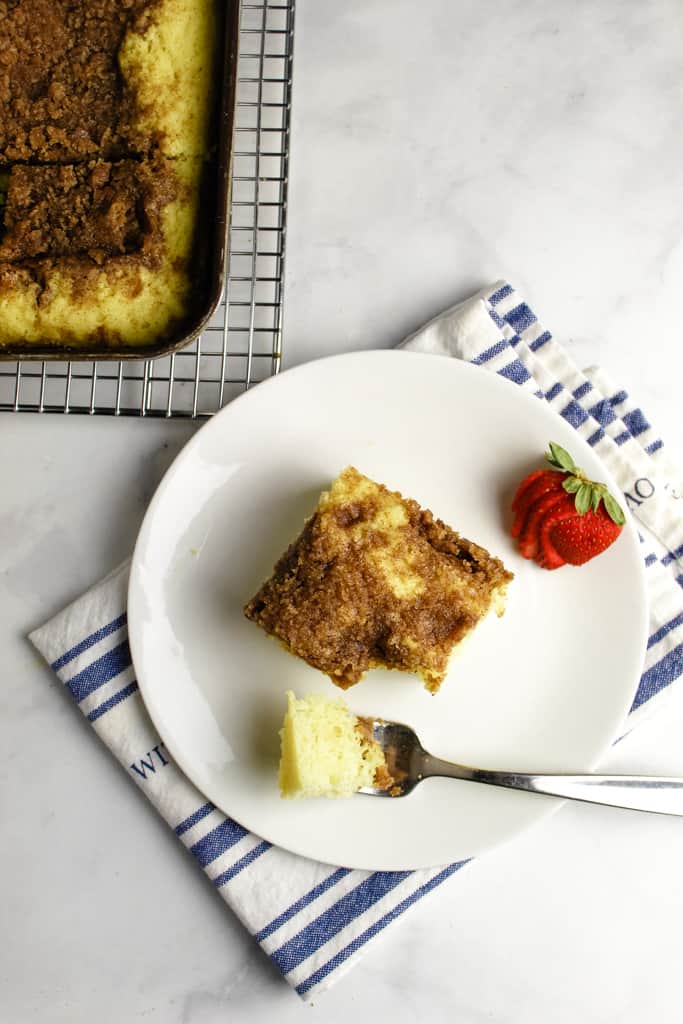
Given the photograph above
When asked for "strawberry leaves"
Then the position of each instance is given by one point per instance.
(559, 458)
(583, 499)
(614, 510)
(588, 493)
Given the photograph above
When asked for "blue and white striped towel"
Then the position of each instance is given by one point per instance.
(314, 920)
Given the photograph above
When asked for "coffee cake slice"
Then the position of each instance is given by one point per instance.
(375, 581)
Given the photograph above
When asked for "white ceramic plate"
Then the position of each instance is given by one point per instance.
(545, 688)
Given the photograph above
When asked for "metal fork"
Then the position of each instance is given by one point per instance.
(409, 763)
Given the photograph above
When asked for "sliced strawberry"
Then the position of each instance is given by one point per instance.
(528, 538)
(582, 537)
(526, 482)
(546, 480)
(563, 517)
(548, 557)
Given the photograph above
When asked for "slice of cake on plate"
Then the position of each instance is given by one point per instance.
(374, 580)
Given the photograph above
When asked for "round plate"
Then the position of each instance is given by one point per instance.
(544, 688)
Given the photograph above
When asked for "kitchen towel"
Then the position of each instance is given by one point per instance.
(314, 920)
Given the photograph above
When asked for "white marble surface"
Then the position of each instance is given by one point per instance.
(536, 141)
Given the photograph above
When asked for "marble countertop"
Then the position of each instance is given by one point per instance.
(432, 153)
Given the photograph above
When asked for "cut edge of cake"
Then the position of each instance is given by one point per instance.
(327, 751)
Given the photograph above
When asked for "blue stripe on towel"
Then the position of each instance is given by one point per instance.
(659, 676)
(596, 436)
(540, 341)
(664, 630)
(655, 446)
(242, 863)
(672, 556)
(211, 846)
(309, 897)
(515, 371)
(107, 705)
(553, 392)
(603, 412)
(498, 320)
(378, 925)
(636, 422)
(574, 414)
(582, 390)
(193, 818)
(101, 671)
(335, 918)
(622, 438)
(618, 398)
(489, 353)
(520, 318)
(89, 641)
(501, 294)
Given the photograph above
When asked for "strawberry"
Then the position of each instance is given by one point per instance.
(548, 557)
(531, 489)
(562, 517)
(528, 537)
(537, 474)
(581, 537)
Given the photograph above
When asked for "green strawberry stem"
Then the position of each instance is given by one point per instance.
(588, 493)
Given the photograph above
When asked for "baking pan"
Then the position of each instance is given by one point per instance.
(211, 236)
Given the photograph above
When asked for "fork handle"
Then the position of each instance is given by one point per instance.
(636, 792)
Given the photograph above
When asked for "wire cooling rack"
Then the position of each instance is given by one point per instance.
(242, 344)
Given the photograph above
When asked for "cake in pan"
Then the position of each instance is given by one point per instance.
(104, 114)
(375, 581)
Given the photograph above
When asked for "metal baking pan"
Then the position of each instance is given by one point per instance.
(211, 234)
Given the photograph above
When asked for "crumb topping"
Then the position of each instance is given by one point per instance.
(77, 194)
(61, 93)
(95, 209)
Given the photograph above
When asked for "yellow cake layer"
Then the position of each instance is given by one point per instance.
(324, 751)
(171, 68)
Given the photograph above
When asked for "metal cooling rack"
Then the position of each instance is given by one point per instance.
(242, 344)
